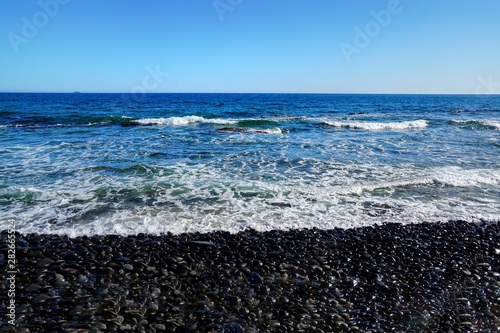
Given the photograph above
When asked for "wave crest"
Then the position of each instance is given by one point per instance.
(182, 121)
(377, 126)
(485, 124)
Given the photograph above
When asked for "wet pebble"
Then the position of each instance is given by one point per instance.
(429, 277)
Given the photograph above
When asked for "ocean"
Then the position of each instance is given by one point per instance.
(85, 164)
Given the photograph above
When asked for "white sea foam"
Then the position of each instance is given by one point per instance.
(276, 131)
(493, 123)
(188, 120)
(377, 126)
(182, 121)
(205, 198)
(455, 176)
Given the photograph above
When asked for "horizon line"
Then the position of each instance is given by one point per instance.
(242, 93)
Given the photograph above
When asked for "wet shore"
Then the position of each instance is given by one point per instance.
(442, 277)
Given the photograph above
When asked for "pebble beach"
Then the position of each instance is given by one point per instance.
(427, 277)
(234, 166)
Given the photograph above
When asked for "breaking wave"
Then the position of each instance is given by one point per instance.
(477, 124)
(377, 126)
(183, 121)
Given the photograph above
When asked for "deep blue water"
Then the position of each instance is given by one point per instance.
(102, 163)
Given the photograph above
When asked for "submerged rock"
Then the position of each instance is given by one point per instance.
(232, 129)
(241, 130)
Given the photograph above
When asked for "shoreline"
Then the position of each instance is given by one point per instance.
(422, 277)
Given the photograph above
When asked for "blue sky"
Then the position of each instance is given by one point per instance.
(321, 46)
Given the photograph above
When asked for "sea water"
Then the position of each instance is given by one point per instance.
(82, 164)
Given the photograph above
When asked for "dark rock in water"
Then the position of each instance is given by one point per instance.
(281, 204)
(442, 277)
(240, 130)
(232, 129)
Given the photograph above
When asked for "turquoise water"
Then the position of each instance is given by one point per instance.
(112, 163)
